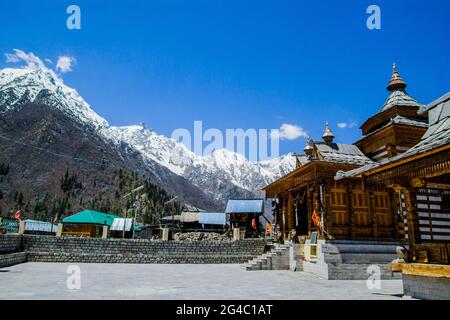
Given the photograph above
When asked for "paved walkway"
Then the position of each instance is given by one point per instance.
(159, 281)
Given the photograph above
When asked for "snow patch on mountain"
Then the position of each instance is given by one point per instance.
(222, 165)
(42, 85)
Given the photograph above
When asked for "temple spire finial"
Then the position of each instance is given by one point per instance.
(328, 136)
(396, 82)
(309, 148)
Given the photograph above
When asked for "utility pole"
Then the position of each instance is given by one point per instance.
(135, 212)
(171, 201)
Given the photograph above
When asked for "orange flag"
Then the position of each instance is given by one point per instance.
(268, 228)
(315, 218)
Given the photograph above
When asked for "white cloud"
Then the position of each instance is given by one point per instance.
(11, 58)
(32, 61)
(349, 124)
(289, 132)
(64, 64)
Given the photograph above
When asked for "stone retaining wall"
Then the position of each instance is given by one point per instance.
(70, 249)
(10, 243)
(137, 258)
(11, 259)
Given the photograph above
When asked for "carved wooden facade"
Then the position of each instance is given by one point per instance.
(347, 209)
(421, 180)
(350, 208)
(422, 187)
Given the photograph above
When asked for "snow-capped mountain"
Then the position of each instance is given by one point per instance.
(221, 175)
(215, 173)
(47, 128)
(42, 85)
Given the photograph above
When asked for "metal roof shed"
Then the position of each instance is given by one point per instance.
(91, 217)
(189, 216)
(118, 225)
(245, 206)
(214, 218)
(40, 226)
(176, 217)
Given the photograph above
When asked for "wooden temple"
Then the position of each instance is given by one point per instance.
(388, 190)
(420, 179)
(347, 209)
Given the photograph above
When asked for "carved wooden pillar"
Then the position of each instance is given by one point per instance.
(372, 213)
(283, 215)
(309, 206)
(328, 223)
(412, 218)
(350, 212)
(290, 215)
(316, 207)
(391, 150)
(394, 215)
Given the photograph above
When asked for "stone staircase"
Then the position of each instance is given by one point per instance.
(276, 258)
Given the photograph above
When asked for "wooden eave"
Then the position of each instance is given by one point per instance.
(304, 175)
(383, 131)
(406, 111)
(443, 167)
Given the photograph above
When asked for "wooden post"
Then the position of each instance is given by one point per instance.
(394, 215)
(372, 213)
(328, 213)
(236, 234)
(165, 235)
(283, 216)
(105, 232)
(59, 230)
(316, 207)
(289, 219)
(412, 220)
(21, 227)
(350, 212)
(309, 206)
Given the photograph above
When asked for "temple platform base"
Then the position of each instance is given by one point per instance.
(347, 259)
(425, 281)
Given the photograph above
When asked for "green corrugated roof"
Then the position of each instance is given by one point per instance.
(91, 217)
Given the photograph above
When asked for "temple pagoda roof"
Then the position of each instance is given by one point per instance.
(399, 98)
(340, 153)
(398, 95)
(437, 135)
(401, 120)
(398, 103)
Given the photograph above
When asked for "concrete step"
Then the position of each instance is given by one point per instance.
(268, 264)
(272, 259)
(366, 248)
(351, 271)
(353, 258)
(370, 242)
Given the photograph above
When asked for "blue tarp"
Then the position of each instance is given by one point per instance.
(217, 218)
(245, 206)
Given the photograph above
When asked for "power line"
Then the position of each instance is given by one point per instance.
(49, 151)
(106, 165)
(57, 154)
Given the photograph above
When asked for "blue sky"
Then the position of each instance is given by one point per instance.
(238, 64)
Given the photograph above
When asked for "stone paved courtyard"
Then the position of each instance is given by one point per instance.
(160, 281)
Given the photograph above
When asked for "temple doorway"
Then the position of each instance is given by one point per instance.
(301, 214)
